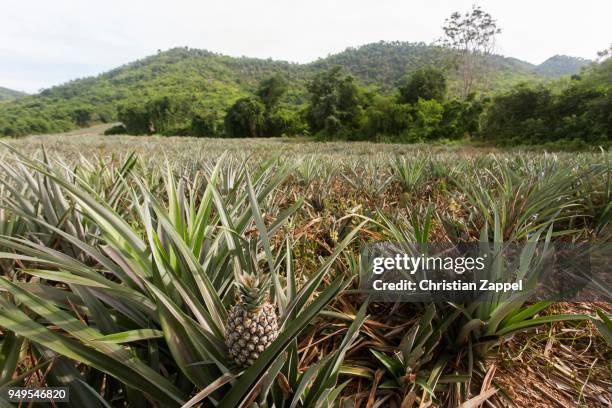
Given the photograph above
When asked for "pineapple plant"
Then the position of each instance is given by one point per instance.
(252, 323)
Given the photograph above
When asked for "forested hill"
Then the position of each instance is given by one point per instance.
(383, 64)
(214, 81)
(8, 94)
(560, 65)
(211, 80)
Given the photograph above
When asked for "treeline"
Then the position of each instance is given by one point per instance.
(209, 82)
(191, 92)
(257, 115)
(419, 110)
(31, 116)
(339, 109)
(576, 109)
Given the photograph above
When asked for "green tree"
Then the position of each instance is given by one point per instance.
(82, 116)
(426, 83)
(385, 117)
(165, 115)
(460, 118)
(283, 122)
(428, 118)
(278, 120)
(168, 115)
(271, 90)
(520, 115)
(245, 118)
(334, 104)
(204, 125)
(135, 118)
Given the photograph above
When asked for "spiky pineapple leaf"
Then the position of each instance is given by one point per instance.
(328, 375)
(131, 335)
(112, 359)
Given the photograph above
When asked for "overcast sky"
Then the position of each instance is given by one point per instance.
(48, 42)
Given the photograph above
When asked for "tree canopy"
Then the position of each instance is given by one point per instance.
(335, 103)
(426, 83)
(245, 118)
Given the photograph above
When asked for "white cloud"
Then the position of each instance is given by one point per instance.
(43, 43)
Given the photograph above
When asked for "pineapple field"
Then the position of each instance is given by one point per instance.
(180, 272)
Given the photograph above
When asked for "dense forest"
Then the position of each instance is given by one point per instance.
(396, 91)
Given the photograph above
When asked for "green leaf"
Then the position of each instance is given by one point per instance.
(131, 335)
(9, 356)
(604, 326)
(117, 362)
(65, 277)
(393, 365)
(356, 371)
(527, 324)
(212, 387)
(328, 375)
(265, 241)
(527, 312)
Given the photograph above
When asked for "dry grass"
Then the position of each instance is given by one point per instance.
(558, 366)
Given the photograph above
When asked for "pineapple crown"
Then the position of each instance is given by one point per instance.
(253, 290)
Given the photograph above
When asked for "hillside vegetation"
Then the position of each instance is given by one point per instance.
(568, 113)
(9, 94)
(384, 64)
(405, 92)
(560, 65)
(214, 81)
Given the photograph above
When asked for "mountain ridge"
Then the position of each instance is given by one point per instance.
(7, 94)
(561, 65)
(335, 59)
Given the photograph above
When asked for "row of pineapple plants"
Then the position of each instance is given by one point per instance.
(179, 285)
(184, 287)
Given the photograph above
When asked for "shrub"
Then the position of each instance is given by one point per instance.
(427, 119)
(460, 118)
(204, 124)
(82, 117)
(116, 130)
(164, 115)
(387, 118)
(135, 119)
(522, 112)
(283, 121)
(335, 103)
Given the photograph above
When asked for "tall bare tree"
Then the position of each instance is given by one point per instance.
(603, 54)
(472, 35)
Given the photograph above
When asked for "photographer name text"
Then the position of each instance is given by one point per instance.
(423, 263)
(429, 285)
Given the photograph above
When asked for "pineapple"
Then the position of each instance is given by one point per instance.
(252, 323)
